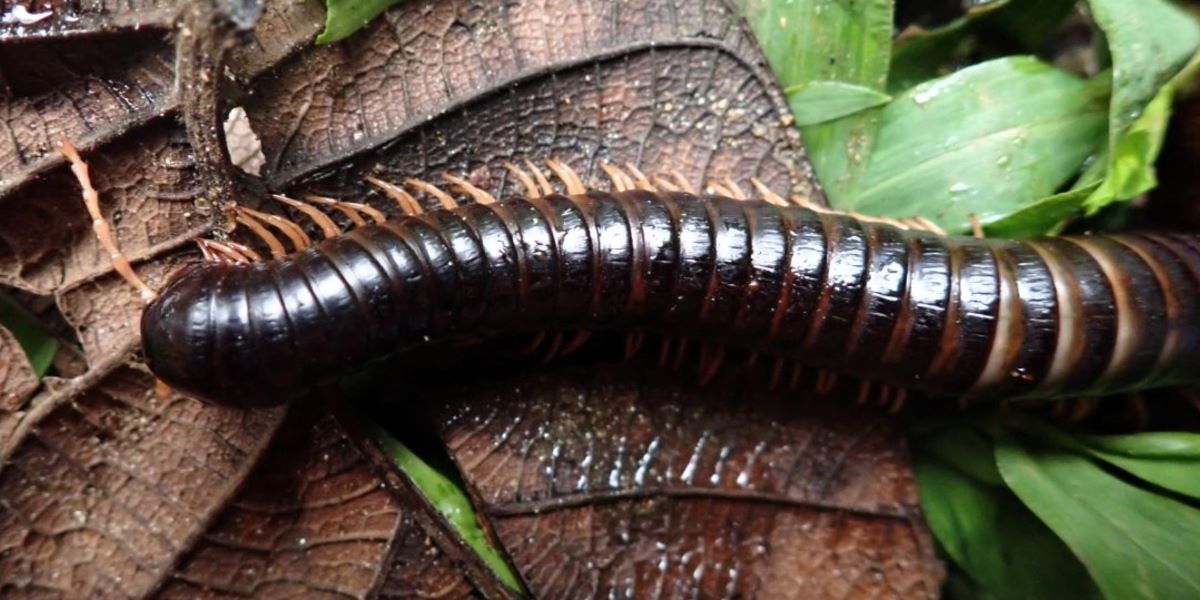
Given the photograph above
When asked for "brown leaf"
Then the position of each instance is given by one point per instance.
(107, 490)
(312, 521)
(420, 569)
(656, 84)
(17, 379)
(106, 311)
(626, 481)
(67, 18)
(284, 27)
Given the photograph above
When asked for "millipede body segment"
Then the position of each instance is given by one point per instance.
(947, 315)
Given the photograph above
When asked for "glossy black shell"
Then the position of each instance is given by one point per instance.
(947, 315)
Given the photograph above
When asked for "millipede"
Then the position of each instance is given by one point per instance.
(890, 301)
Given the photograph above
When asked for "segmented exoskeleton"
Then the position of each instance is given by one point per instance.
(947, 315)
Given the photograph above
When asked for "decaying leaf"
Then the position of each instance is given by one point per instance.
(17, 379)
(106, 491)
(622, 481)
(313, 520)
(586, 82)
(108, 488)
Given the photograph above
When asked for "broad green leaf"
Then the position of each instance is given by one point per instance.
(1170, 460)
(344, 17)
(1168, 445)
(39, 346)
(1135, 542)
(451, 501)
(985, 529)
(821, 101)
(920, 55)
(829, 40)
(1150, 41)
(966, 449)
(988, 140)
(1131, 163)
(1042, 217)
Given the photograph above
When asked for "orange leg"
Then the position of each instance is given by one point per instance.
(91, 199)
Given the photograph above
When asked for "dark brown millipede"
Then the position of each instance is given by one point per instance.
(947, 315)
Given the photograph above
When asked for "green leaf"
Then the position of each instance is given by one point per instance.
(1135, 543)
(988, 140)
(1131, 164)
(451, 501)
(920, 55)
(822, 40)
(821, 101)
(1170, 460)
(39, 346)
(344, 17)
(964, 448)
(985, 529)
(1150, 41)
(1042, 217)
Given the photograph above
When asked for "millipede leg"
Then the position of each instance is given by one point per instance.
(767, 195)
(244, 250)
(534, 343)
(581, 337)
(680, 352)
(464, 186)
(100, 226)
(633, 343)
(864, 390)
(205, 252)
(290, 230)
(976, 227)
(446, 200)
(567, 175)
(777, 373)
(161, 389)
(620, 180)
(735, 191)
(898, 401)
(641, 182)
(555, 344)
(665, 184)
(540, 177)
(231, 254)
(682, 182)
(797, 372)
(531, 188)
(711, 357)
(719, 189)
(328, 228)
(408, 205)
(353, 210)
(664, 351)
(256, 227)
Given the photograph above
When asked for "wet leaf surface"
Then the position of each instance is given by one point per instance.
(624, 480)
(109, 489)
(312, 521)
(69, 18)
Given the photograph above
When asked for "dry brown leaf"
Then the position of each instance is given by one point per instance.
(17, 379)
(627, 481)
(313, 521)
(108, 489)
